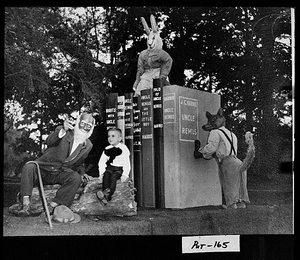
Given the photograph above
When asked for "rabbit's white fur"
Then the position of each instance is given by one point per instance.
(154, 41)
(154, 61)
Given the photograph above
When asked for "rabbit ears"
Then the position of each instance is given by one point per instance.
(153, 24)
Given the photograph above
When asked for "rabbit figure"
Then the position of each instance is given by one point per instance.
(153, 62)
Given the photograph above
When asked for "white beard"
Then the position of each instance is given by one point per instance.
(80, 136)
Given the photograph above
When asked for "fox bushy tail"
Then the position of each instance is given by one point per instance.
(250, 152)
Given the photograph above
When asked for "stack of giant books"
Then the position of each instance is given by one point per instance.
(140, 119)
(160, 127)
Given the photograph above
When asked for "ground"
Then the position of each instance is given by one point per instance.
(270, 212)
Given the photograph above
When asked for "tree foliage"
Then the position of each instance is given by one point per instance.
(57, 60)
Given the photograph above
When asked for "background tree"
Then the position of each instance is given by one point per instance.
(58, 60)
(228, 54)
(272, 78)
(47, 71)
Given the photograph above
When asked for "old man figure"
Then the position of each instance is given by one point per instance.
(62, 163)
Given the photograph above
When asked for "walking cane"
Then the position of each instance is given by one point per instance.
(43, 193)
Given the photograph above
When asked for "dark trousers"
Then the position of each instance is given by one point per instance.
(69, 180)
(110, 177)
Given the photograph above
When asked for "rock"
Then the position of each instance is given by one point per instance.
(121, 204)
(86, 201)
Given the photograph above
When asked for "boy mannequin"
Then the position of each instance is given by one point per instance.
(114, 164)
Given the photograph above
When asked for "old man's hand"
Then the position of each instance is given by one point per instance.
(68, 124)
(86, 178)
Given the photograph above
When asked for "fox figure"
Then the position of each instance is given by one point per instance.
(222, 145)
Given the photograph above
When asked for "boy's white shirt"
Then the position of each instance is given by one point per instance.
(122, 160)
(218, 142)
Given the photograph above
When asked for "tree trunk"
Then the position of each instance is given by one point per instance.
(267, 131)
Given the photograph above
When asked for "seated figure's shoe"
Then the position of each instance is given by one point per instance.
(101, 197)
(30, 210)
(24, 212)
(197, 154)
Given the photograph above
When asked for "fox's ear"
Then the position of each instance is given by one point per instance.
(220, 112)
(208, 115)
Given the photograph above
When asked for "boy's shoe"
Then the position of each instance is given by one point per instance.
(241, 205)
(101, 197)
(107, 195)
(197, 154)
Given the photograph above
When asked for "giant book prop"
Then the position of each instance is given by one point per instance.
(148, 177)
(166, 122)
(158, 135)
(188, 182)
(129, 129)
(137, 149)
(111, 110)
(121, 115)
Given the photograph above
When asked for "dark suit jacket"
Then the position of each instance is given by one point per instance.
(57, 158)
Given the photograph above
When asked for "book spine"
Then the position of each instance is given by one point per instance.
(111, 110)
(158, 132)
(121, 115)
(129, 129)
(148, 148)
(137, 149)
